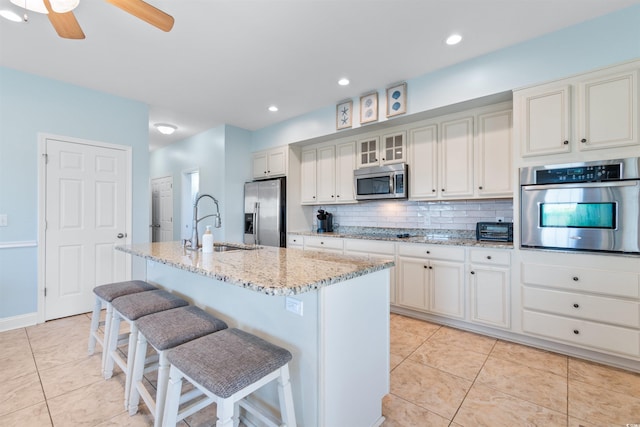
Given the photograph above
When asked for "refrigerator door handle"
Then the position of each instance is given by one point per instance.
(256, 224)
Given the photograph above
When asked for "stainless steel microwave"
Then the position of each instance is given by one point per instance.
(381, 182)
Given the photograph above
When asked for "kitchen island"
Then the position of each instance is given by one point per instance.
(331, 312)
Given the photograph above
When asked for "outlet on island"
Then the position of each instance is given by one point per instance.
(294, 305)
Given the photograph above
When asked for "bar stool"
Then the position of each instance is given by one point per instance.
(104, 295)
(131, 308)
(165, 330)
(226, 367)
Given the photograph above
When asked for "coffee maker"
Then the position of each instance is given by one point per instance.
(325, 221)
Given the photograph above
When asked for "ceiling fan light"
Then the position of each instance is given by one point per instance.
(10, 15)
(63, 6)
(165, 128)
(32, 5)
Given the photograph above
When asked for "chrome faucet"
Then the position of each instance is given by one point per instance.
(195, 241)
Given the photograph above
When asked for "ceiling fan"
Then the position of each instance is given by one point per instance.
(60, 14)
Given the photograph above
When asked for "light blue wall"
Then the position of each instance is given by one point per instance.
(603, 41)
(222, 156)
(30, 105)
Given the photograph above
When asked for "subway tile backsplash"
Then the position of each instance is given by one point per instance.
(450, 215)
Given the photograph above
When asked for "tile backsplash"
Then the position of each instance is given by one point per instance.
(451, 215)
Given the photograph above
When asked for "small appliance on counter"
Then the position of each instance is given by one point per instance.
(494, 231)
(325, 221)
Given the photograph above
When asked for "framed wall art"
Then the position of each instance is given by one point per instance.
(344, 115)
(369, 108)
(397, 100)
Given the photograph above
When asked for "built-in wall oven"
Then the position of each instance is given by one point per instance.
(590, 206)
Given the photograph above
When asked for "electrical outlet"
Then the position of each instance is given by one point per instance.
(500, 219)
(293, 305)
(3, 220)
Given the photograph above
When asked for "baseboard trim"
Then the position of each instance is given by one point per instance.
(15, 322)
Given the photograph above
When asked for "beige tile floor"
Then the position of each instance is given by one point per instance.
(439, 377)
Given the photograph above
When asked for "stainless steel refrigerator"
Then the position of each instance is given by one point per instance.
(264, 212)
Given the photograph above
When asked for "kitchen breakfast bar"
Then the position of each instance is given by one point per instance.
(331, 312)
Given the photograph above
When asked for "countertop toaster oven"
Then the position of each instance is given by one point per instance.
(494, 231)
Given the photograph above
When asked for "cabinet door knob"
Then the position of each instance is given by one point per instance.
(443, 190)
(426, 266)
(583, 140)
(488, 256)
(575, 278)
(576, 305)
(338, 195)
(268, 171)
(473, 272)
(428, 252)
(322, 243)
(430, 268)
(383, 159)
(575, 331)
(433, 190)
(332, 196)
(480, 188)
(565, 142)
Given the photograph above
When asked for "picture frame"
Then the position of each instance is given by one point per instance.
(397, 99)
(369, 108)
(344, 114)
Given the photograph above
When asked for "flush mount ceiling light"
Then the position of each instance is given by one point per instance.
(454, 39)
(58, 6)
(165, 128)
(10, 15)
(343, 81)
(273, 108)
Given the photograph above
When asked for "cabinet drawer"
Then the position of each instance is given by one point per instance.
(588, 307)
(322, 242)
(606, 282)
(447, 253)
(370, 246)
(486, 256)
(295, 240)
(613, 339)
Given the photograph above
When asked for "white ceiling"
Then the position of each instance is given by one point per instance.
(226, 61)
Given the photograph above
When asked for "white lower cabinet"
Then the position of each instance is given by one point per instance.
(585, 300)
(431, 279)
(490, 287)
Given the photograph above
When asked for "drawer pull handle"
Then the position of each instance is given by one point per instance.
(428, 252)
(430, 268)
(577, 332)
(473, 272)
(426, 266)
(322, 243)
(576, 305)
(575, 278)
(488, 256)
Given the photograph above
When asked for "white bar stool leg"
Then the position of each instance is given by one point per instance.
(112, 345)
(286, 397)
(174, 389)
(95, 323)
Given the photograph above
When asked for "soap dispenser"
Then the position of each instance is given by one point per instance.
(207, 241)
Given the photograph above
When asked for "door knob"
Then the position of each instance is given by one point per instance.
(121, 235)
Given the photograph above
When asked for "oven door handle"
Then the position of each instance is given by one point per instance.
(632, 183)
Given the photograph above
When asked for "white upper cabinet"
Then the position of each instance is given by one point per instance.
(270, 163)
(308, 167)
(385, 150)
(547, 121)
(456, 158)
(393, 148)
(493, 162)
(327, 174)
(368, 152)
(593, 111)
(608, 111)
(423, 167)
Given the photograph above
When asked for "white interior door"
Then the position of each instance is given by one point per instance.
(162, 209)
(86, 215)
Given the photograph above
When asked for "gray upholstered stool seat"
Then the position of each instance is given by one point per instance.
(104, 295)
(131, 308)
(165, 330)
(226, 367)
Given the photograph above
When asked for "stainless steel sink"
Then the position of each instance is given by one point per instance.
(225, 248)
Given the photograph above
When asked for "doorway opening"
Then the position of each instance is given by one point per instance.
(190, 189)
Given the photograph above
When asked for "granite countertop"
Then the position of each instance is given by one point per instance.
(440, 237)
(268, 270)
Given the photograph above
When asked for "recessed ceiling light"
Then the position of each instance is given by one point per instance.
(273, 108)
(10, 15)
(343, 81)
(165, 128)
(454, 39)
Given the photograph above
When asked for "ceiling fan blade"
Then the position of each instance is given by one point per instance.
(65, 24)
(146, 12)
